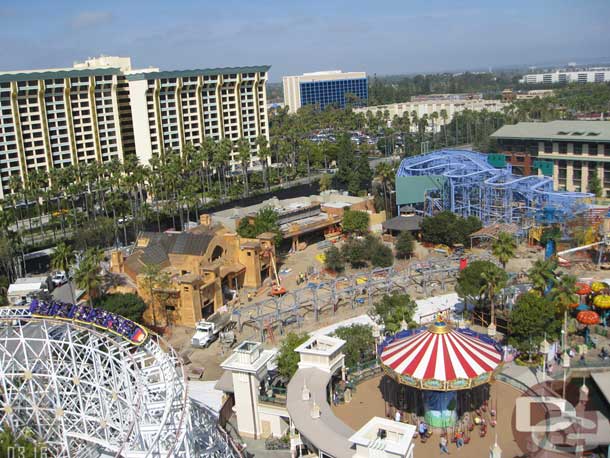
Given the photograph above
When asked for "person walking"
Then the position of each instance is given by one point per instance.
(443, 445)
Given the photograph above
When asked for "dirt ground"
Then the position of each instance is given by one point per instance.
(367, 402)
(295, 263)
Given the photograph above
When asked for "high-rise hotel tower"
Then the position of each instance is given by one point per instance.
(102, 110)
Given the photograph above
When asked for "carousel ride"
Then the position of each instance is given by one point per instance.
(440, 373)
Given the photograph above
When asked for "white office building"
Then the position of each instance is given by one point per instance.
(592, 75)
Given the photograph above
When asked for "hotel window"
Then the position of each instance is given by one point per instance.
(592, 149)
(577, 148)
(548, 147)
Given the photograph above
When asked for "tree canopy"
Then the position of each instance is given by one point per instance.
(129, 305)
(358, 252)
(266, 220)
(288, 359)
(355, 222)
(447, 228)
(472, 283)
(393, 309)
(359, 343)
(532, 317)
(333, 260)
(405, 245)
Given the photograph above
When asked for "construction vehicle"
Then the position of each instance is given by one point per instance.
(209, 330)
(276, 288)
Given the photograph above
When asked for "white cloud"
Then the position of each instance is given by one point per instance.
(86, 19)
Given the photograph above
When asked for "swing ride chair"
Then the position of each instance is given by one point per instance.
(440, 370)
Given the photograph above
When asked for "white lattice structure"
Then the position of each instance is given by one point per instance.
(88, 393)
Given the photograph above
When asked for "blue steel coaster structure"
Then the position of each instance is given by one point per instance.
(468, 185)
(89, 383)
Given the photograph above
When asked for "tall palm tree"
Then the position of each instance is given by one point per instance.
(263, 154)
(444, 118)
(62, 259)
(504, 248)
(563, 292)
(88, 274)
(384, 174)
(495, 280)
(542, 275)
(153, 277)
(243, 153)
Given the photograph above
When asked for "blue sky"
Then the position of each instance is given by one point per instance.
(294, 36)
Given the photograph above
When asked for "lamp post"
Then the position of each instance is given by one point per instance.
(376, 336)
(544, 349)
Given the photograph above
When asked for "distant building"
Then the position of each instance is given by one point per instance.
(592, 75)
(325, 88)
(508, 95)
(174, 108)
(571, 151)
(102, 110)
(444, 97)
(451, 106)
(64, 116)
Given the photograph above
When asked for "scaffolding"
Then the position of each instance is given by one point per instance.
(471, 186)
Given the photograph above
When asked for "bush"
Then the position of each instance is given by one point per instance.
(405, 245)
(333, 259)
(355, 222)
(355, 251)
(129, 305)
(448, 229)
(359, 252)
(393, 309)
(381, 255)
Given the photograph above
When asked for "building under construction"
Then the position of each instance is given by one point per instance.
(474, 184)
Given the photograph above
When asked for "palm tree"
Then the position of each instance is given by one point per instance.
(444, 117)
(495, 280)
(504, 248)
(384, 174)
(62, 259)
(263, 154)
(243, 153)
(88, 275)
(542, 275)
(563, 292)
(153, 277)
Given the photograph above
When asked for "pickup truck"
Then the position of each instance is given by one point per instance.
(208, 330)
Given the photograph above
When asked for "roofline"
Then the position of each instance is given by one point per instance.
(196, 72)
(55, 74)
(592, 139)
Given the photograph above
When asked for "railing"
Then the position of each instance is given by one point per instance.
(361, 372)
(276, 395)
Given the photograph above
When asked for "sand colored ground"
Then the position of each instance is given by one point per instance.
(367, 402)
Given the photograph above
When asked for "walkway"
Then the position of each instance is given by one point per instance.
(327, 433)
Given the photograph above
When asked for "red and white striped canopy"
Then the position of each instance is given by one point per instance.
(441, 354)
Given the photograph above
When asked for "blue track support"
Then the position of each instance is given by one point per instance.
(474, 187)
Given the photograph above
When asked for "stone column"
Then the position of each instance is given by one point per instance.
(570, 176)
